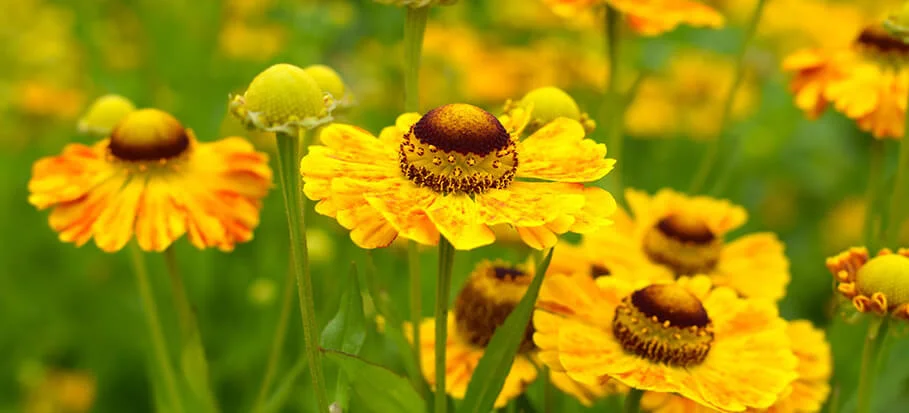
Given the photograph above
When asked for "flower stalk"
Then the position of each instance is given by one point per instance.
(446, 262)
(877, 334)
(156, 332)
(612, 110)
(872, 212)
(633, 401)
(708, 162)
(289, 154)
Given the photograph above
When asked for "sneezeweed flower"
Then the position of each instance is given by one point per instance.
(492, 291)
(455, 172)
(61, 390)
(104, 113)
(868, 82)
(684, 337)
(875, 285)
(283, 98)
(648, 17)
(621, 260)
(541, 106)
(153, 180)
(686, 235)
(330, 82)
(688, 99)
(806, 394)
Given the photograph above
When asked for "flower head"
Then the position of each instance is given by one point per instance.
(152, 179)
(330, 82)
(541, 106)
(456, 171)
(684, 337)
(867, 81)
(104, 113)
(283, 98)
(492, 291)
(649, 17)
(805, 395)
(687, 236)
(873, 284)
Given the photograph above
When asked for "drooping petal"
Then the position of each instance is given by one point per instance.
(754, 265)
(458, 220)
(527, 204)
(69, 176)
(114, 226)
(560, 152)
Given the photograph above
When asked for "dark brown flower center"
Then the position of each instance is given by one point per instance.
(664, 323)
(459, 148)
(877, 43)
(684, 244)
(148, 135)
(597, 271)
(489, 296)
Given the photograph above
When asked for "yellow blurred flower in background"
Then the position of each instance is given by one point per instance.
(152, 179)
(686, 235)
(687, 100)
(647, 17)
(61, 391)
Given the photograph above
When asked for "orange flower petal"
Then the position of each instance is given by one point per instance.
(458, 219)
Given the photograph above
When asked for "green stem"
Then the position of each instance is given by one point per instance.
(899, 202)
(708, 162)
(416, 306)
(289, 164)
(633, 401)
(446, 261)
(159, 345)
(877, 334)
(414, 28)
(611, 119)
(548, 396)
(277, 342)
(184, 309)
(872, 213)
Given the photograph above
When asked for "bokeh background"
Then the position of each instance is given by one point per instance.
(72, 337)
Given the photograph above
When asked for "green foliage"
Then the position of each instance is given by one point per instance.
(378, 389)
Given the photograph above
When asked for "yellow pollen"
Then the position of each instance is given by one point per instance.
(477, 153)
(148, 134)
(887, 274)
(664, 323)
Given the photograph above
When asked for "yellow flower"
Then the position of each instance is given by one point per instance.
(867, 82)
(104, 113)
(46, 99)
(806, 394)
(256, 42)
(331, 82)
(283, 98)
(153, 179)
(687, 236)
(622, 260)
(685, 337)
(490, 294)
(873, 284)
(648, 17)
(64, 391)
(455, 171)
(541, 106)
(688, 99)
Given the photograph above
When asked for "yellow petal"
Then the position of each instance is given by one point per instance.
(458, 220)
(559, 152)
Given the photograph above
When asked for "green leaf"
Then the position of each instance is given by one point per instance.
(347, 330)
(489, 376)
(195, 370)
(378, 389)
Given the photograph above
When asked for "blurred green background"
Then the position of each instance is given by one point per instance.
(72, 336)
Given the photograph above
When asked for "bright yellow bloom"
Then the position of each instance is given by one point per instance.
(867, 82)
(688, 99)
(686, 235)
(648, 17)
(806, 394)
(685, 337)
(104, 113)
(621, 259)
(46, 99)
(873, 284)
(490, 294)
(153, 179)
(455, 171)
(62, 391)
(283, 98)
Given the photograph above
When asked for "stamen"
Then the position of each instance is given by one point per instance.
(664, 323)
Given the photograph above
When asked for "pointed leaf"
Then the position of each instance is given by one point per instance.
(347, 330)
(378, 389)
(489, 376)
